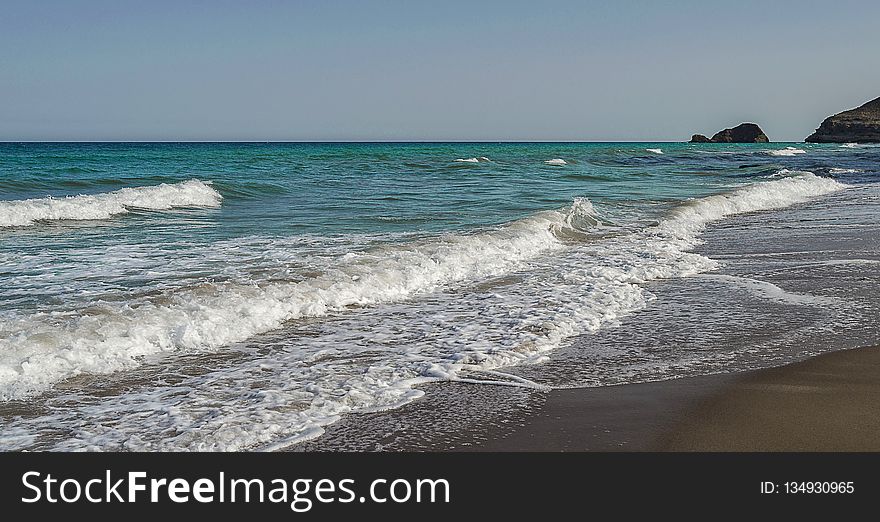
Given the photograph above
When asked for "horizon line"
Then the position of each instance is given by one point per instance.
(380, 141)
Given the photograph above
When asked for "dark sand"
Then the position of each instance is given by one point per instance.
(827, 403)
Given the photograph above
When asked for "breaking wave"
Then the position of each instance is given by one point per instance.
(191, 193)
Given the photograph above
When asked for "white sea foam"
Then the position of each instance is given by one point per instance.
(785, 173)
(472, 160)
(556, 161)
(484, 301)
(693, 216)
(844, 171)
(192, 193)
(767, 290)
(787, 151)
(37, 351)
(850, 145)
(655, 151)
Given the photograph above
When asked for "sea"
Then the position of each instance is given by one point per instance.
(248, 296)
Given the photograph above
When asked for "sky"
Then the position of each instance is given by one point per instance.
(412, 70)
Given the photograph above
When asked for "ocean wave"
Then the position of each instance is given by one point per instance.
(559, 290)
(844, 171)
(556, 161)
(38, 351)
(655, 151)
(481, 159)
(191, 193)
(785, 173)
(692, 217)
(787, 151)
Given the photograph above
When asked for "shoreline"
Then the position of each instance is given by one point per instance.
(797, 322)
(825, 403)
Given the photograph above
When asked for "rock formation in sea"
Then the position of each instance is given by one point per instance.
(742, 133)
(859, 125)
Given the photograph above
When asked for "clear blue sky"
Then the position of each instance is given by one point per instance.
(386, 70)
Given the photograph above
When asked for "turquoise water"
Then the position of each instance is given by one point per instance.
(232, 296)
(287, 189)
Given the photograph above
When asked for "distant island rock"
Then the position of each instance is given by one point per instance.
(742, 133)
(859, 125)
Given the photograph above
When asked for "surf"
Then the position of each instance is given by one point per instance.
(787, 151)
(40, 350)
(102, 206)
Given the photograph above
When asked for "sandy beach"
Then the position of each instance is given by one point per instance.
(826, 403)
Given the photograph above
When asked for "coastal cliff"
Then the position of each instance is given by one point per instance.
(859, 125)
(742, 133)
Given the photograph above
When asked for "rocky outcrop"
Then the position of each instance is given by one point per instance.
(742, 133)
(859, 125)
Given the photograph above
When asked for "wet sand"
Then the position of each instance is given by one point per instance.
(826, 403)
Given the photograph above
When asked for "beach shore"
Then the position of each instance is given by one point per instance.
(798, 289)
(825, 403)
